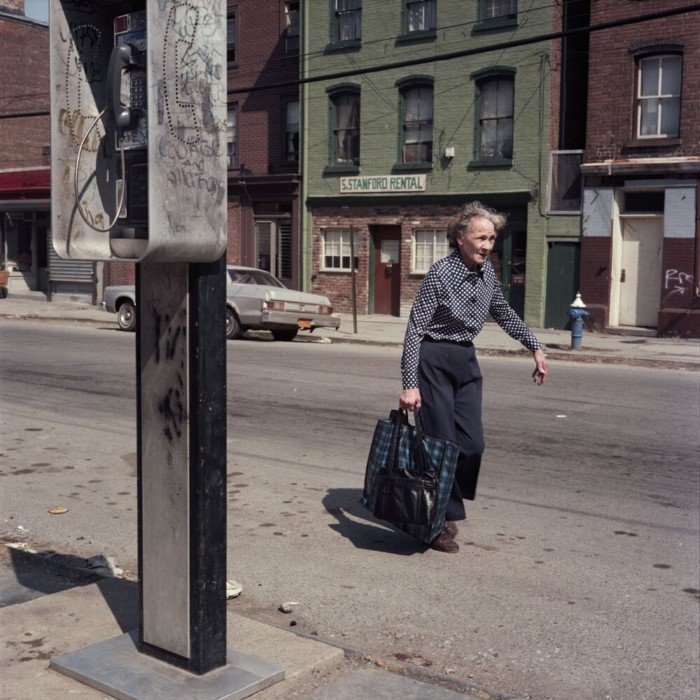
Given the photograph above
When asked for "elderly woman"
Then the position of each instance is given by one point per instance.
(440, 373)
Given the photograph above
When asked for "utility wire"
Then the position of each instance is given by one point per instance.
(475, 51)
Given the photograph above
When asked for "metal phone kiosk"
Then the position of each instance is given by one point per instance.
(138, 168)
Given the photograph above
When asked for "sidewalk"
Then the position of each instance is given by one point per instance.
(640, 350)
(48, 610)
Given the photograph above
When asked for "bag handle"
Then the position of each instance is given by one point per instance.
(398, 418)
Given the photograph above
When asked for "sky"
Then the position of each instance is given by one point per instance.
(37, 9)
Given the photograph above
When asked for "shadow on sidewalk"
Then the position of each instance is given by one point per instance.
(36, 575)
(373, 535)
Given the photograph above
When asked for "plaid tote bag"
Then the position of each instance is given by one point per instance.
(440, 463)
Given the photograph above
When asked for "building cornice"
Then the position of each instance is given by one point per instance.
(621, 166)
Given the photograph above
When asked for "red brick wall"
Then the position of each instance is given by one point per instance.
(262, 60)
(611, 103)
(595, 275)
(24, 87)
(555, 69)
(677, 273)
(337, 285)
(119, 273)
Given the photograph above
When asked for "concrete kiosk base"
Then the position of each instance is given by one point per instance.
(116, 667)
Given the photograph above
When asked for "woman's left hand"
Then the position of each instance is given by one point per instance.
(540, 373)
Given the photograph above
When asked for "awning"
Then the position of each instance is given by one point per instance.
(24, 185)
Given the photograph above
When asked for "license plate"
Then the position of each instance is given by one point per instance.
(304, 323)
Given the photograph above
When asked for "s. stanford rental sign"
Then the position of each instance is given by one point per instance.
(382, 183)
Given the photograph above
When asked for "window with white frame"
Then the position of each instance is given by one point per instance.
(429, 246)
(420, 15)
(659, 96)
(232, 137)
(336, 249)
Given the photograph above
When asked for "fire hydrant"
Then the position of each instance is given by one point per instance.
(577, 312)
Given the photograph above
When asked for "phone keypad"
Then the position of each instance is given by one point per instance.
(137, 96)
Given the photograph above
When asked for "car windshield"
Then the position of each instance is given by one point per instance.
(253, 277)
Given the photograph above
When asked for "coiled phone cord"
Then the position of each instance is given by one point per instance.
(75, 180)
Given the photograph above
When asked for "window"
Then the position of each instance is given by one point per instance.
(495, 118)
(417, 108)
(231, 38)
(292, 133)
(346, 128)
(565, 181)
(347, 20)
(291, 14)
(420, 15)
(430, 245)
(499, 9)
(232, 137)
(336, 249)
(647, 202)
(659, 97)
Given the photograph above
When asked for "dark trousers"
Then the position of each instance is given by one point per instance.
(450, 382)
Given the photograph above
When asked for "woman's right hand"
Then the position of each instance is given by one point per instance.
(410, 399)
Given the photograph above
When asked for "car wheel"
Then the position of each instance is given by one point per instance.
(233, 325)
(285, 334)
(126, 316)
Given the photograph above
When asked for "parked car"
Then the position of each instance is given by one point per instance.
(255, 300)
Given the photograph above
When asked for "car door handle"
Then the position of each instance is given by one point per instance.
(622, 276)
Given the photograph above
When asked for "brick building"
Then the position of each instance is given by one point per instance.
(24, 148)
(639, 250)
(25, 157)
(390, 156)
(263, 142)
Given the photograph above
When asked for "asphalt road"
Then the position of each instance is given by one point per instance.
(578, 574)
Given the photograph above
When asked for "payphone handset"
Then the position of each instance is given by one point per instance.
(126, 98)
(127, 105)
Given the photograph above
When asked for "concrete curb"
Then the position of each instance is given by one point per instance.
(577, 356)
(573, 356)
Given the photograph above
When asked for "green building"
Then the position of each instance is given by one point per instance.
(400, 128)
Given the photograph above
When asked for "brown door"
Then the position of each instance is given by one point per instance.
(387, 269)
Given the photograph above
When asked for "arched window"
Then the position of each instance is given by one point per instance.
(345, 126)
(417, 124)
(494, 127)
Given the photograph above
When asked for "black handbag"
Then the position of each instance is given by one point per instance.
(406, 495)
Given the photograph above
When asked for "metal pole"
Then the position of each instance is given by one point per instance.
(354, 289)
(181, 434)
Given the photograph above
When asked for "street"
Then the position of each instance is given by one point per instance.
(578, 575)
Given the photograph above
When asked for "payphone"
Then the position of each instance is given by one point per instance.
(138, 134)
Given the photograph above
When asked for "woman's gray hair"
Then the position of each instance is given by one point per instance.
(472, 210)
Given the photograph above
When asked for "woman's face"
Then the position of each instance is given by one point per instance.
(476, 242)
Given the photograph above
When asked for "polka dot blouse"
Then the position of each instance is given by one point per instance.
(452, 304)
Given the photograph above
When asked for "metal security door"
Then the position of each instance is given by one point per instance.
(562, 283)
(387, 269)
(640, 274)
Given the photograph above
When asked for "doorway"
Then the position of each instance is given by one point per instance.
(562, 283)
(639, 282)
(508, 260)
(387, 269)
(273, 248)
